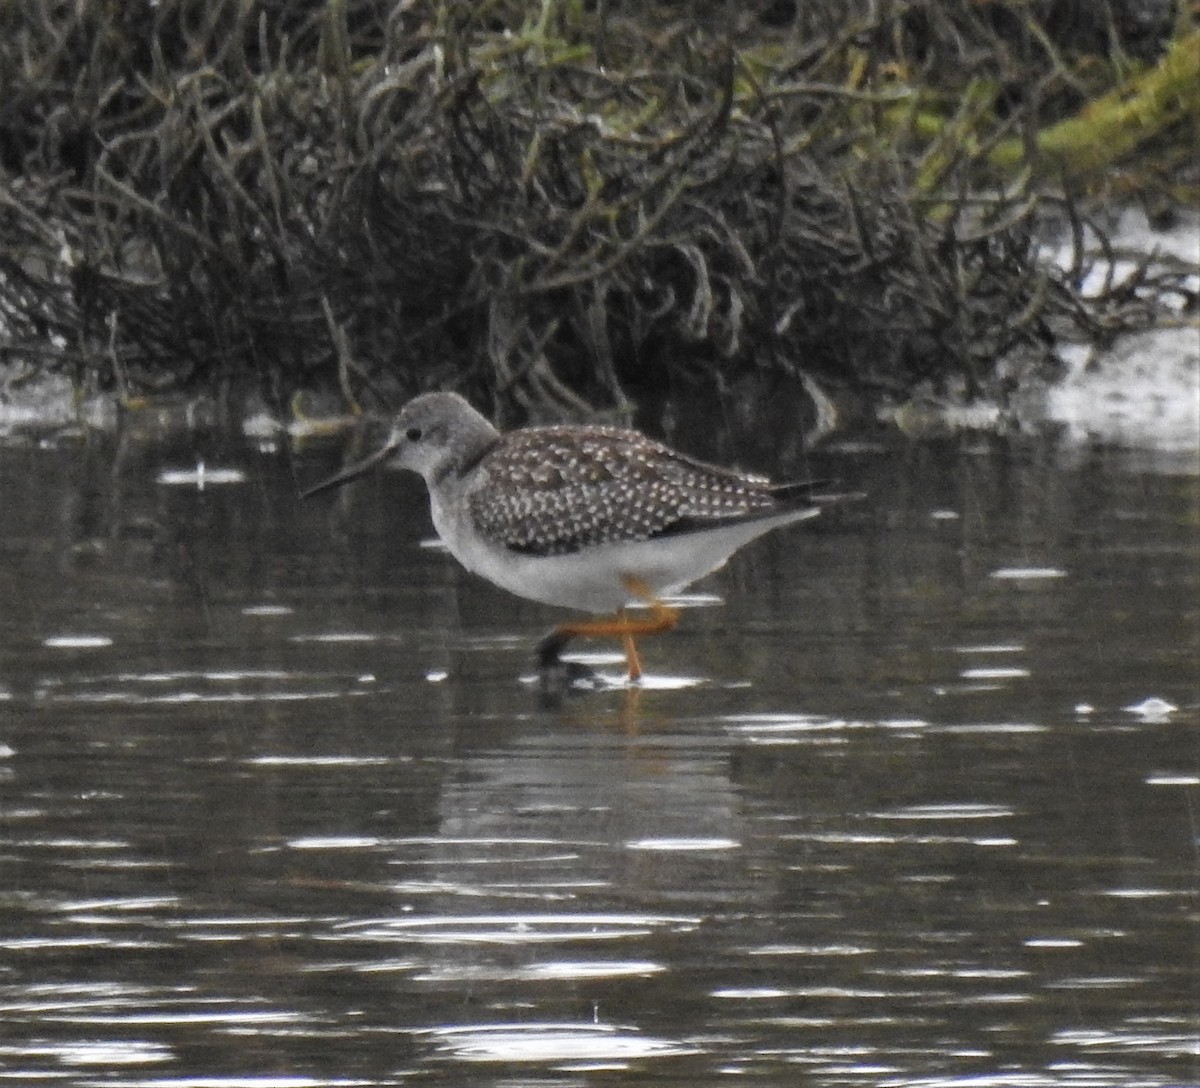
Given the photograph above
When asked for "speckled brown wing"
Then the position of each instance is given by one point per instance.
(556, 490)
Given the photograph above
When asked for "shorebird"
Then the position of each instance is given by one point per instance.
(593, 518)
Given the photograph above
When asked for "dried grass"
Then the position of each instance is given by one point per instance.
(555, 205)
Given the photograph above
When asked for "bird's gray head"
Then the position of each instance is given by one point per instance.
(434, 434)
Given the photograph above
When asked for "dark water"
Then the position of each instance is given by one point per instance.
(918, 804)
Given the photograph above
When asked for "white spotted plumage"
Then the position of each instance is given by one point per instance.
(559, 490)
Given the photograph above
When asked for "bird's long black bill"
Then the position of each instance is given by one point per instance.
(350, 473)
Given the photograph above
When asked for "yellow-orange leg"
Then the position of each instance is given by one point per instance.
(622, 626)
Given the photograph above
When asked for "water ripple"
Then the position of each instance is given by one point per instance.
(550, 1043)
(505, 929)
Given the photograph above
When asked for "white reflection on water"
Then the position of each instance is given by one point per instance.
(214, 1016)
(1011, 672)
(184, 698)
(320, 761)
(550, 1043)
(511, 929)
(991, 727)
(1167, 1040)
(775, 950)
(784, 729)
(1153, 709)
(172, 676)
(187, 686)
(83, 1052)
(752, 993)
(950, 810)
(784, 723)
(1124, 983)
(551, 971)
(337, 636)
(582, 969)
(126, 903)
(332, 842)
(1078, 1077)
(1148, 893)
(486, 846)
(265, 1080)
(77, 642)
(62, 944)
(1167, 778)
(862, 838)
(951, 972)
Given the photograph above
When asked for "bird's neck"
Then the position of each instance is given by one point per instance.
(472, 446)
(475, 456)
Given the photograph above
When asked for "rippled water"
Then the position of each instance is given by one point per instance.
(909, 799)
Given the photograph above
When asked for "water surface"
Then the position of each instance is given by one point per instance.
(909, 799)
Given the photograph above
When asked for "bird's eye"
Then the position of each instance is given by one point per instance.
(413, 434)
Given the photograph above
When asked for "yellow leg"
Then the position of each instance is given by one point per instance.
(622, 625)
(632, 662)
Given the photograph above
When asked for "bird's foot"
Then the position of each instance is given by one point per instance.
(556, 676)
(622, 626)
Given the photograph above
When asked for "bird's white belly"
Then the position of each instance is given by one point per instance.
(592, 580)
